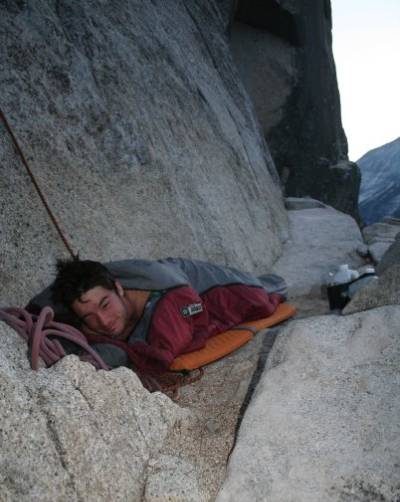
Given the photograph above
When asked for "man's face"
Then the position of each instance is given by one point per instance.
(103, 310)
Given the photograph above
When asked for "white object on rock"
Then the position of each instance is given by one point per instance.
(343, 275)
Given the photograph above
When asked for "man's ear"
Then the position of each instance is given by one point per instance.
(119, 289)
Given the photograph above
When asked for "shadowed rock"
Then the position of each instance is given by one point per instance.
(284, 54)
(391, 257)
(295, 203)
(380, 236)
(383, 291)
(141, 135)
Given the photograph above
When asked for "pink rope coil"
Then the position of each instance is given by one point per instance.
(36, 330)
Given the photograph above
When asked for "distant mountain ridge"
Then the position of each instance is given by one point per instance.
(380, 183)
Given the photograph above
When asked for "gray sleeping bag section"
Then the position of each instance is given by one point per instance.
(147, 275)
(200, 275)
(273, 283)
(203, 276)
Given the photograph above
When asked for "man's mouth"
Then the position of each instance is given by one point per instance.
(112, 329)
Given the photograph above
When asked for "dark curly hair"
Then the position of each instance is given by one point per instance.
(75, 277)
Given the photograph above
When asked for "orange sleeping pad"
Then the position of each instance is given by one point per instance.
(223, 344)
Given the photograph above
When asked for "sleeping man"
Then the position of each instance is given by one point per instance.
(144, 314)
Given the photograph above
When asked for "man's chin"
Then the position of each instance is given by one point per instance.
(118, 334)
(114, 334)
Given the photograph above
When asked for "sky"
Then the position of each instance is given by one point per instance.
(366, 47)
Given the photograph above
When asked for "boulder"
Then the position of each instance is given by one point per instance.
(140, 134)
(377, 250)
(321, 238)
(383, 231)
(172, 478)
(323, 422)
(383, 291)
(72, 433)
(379, 237)
(391, 256)
(293, 203)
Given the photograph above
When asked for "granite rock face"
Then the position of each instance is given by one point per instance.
(323, 423)
(70, 433)
(284, 54)
(140, 133)
(383, 291)
(298, 203)
(391, 257)
(380, 236)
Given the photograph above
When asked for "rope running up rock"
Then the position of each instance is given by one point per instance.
(36, 185)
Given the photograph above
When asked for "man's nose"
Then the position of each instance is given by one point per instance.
(104, 319)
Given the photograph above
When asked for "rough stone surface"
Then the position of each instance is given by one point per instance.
(218, 400)
(227, 9)
(378, 249)
(320, 240)
(380, 236)
(140, 133)
(384, 291)
(383, 231)
(323, 423)
(391, 256)
(338, 186)
(284, 53)
(293, 203)
(177, 454)
(363, 250)
(70, 433)
(169, 481)
(264, 59)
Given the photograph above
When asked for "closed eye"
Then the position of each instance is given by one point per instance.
(104, 303)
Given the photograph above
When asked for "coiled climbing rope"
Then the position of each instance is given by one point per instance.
(43, 336)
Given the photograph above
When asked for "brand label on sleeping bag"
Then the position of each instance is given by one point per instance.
(192, 309)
